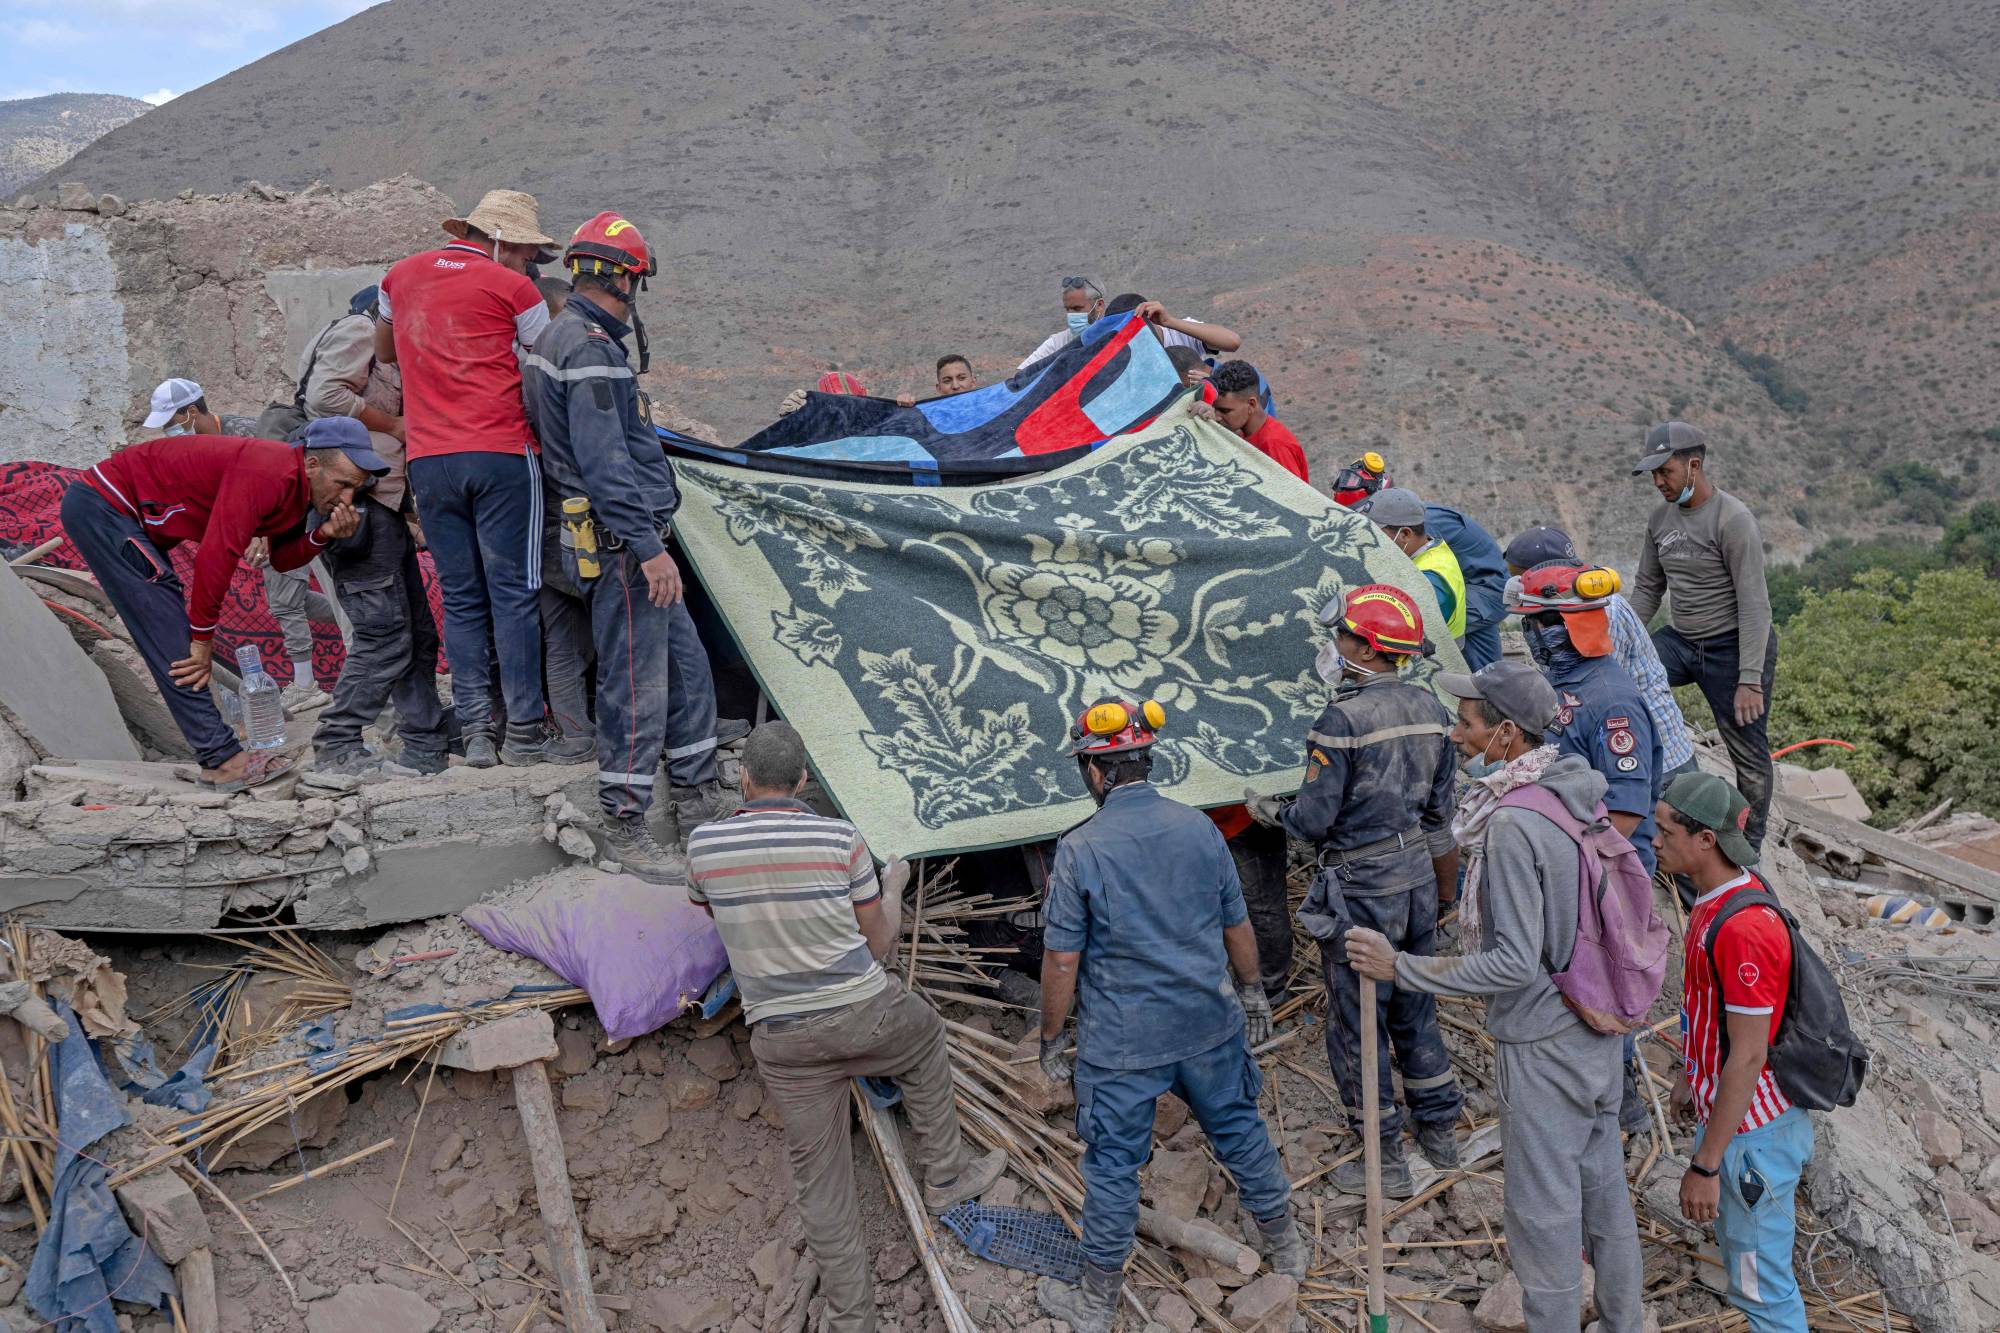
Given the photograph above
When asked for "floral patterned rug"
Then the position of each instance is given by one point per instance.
(933, 645)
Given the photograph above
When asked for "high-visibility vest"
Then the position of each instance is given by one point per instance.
(1437, 559)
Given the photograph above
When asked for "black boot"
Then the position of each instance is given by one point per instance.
(1089, 1307)
(537, 743)
(1438, 1141)
(1397, 1183)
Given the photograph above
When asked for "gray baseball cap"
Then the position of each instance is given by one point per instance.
(1393, 507)
(1521, 693)
(1664, 441)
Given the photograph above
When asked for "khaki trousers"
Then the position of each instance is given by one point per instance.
(808, 1064)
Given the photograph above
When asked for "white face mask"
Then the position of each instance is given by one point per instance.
(179, 430)
(1331, 664)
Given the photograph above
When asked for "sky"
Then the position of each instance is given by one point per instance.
(153, 49)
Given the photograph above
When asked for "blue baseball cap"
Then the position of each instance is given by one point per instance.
(1540, 546)
(350, 437)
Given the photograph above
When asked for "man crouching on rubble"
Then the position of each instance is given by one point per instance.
(1145, 917)
(125, 514)
(796, 901)
(1560, 1081)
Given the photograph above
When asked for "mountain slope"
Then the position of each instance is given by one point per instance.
(1493, 237)
(38, 134)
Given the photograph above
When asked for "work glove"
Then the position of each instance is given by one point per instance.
(1056, 1063)
(1256, 1012)
(1264, 809)
(794, 400)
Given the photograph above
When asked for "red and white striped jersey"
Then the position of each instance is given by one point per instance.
(1753, 958)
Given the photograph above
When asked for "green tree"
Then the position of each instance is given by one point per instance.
(1835, 563)
(1973, 538)
(1908, 669)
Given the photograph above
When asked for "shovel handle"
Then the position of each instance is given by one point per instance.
(1371, 1155)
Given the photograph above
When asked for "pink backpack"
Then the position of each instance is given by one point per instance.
(1620, 960)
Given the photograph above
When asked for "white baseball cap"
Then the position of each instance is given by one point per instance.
(169, 398)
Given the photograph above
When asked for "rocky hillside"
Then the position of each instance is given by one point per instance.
(1491, 238)
(38, 134)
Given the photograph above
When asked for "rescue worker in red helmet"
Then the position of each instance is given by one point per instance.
(1144, 924)
(1376, 804)
(653, 684)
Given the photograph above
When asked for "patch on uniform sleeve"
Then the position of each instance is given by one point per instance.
(1566, 709)
(600, 394)
(1315, 761)
(1618, 735)
(1628, 765)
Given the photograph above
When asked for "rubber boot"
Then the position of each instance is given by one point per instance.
(479, 751)
(1089, 1307)
(631, 844)
(694, 806)
(1278, 1240)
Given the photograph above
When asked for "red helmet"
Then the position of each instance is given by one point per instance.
(1580, 592)
(1360, 479)
(1112, 726)
(609, 239)
(1383, 617)
(840, 381)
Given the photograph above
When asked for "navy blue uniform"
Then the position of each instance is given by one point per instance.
(1602, 718)
(1143, 890)
(1377, 803)
(653, 683)
(1485, 570)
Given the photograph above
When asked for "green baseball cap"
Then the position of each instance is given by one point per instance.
(1717, 807)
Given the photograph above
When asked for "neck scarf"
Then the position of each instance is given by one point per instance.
(1468, 830)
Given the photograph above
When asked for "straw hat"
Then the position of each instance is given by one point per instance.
(509, 216)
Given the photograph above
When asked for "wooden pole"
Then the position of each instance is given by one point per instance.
(538, 1127)
(30, 557)
(881, 1127)
(1371, 1155)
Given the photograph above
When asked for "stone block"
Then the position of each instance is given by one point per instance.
(715, 1057)
(517, 1039)
(1939, 1137)
(49, 689)
(1266, 1305)
(1989, 1095)
(372, 1307)
(1499, 1310)
(160, 1207)
(76, 196)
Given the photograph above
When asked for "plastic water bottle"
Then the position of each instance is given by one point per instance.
(263, 710)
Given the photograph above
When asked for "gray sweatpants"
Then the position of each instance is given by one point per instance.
(296, 605)
(1565, 1179)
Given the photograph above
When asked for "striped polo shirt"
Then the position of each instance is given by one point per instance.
(782, 884)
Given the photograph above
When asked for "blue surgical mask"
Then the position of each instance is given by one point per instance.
(1687, 493)
(1078, 320)
(179, 430)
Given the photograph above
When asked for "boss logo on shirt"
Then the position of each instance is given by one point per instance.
(451, 263)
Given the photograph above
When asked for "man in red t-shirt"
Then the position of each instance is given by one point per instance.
(455, 320)
(1239, 401)
(1753, 1143)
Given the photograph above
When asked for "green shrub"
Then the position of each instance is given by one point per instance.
(1905, 668)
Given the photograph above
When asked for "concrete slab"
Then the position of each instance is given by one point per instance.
(51, 692)
(139, 701)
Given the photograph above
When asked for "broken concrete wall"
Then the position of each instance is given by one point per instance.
(139, 847)
(96, 307)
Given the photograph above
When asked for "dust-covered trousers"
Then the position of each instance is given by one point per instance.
(1394, 892)
(297, 607)
(140, 581)
(1114, 1118)
(652, 683)
(1260, 856)
(568, 659)
(1565, 1192)
(1756, 1223)
(808, 1064)
(1711, 664)
(394, 653)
